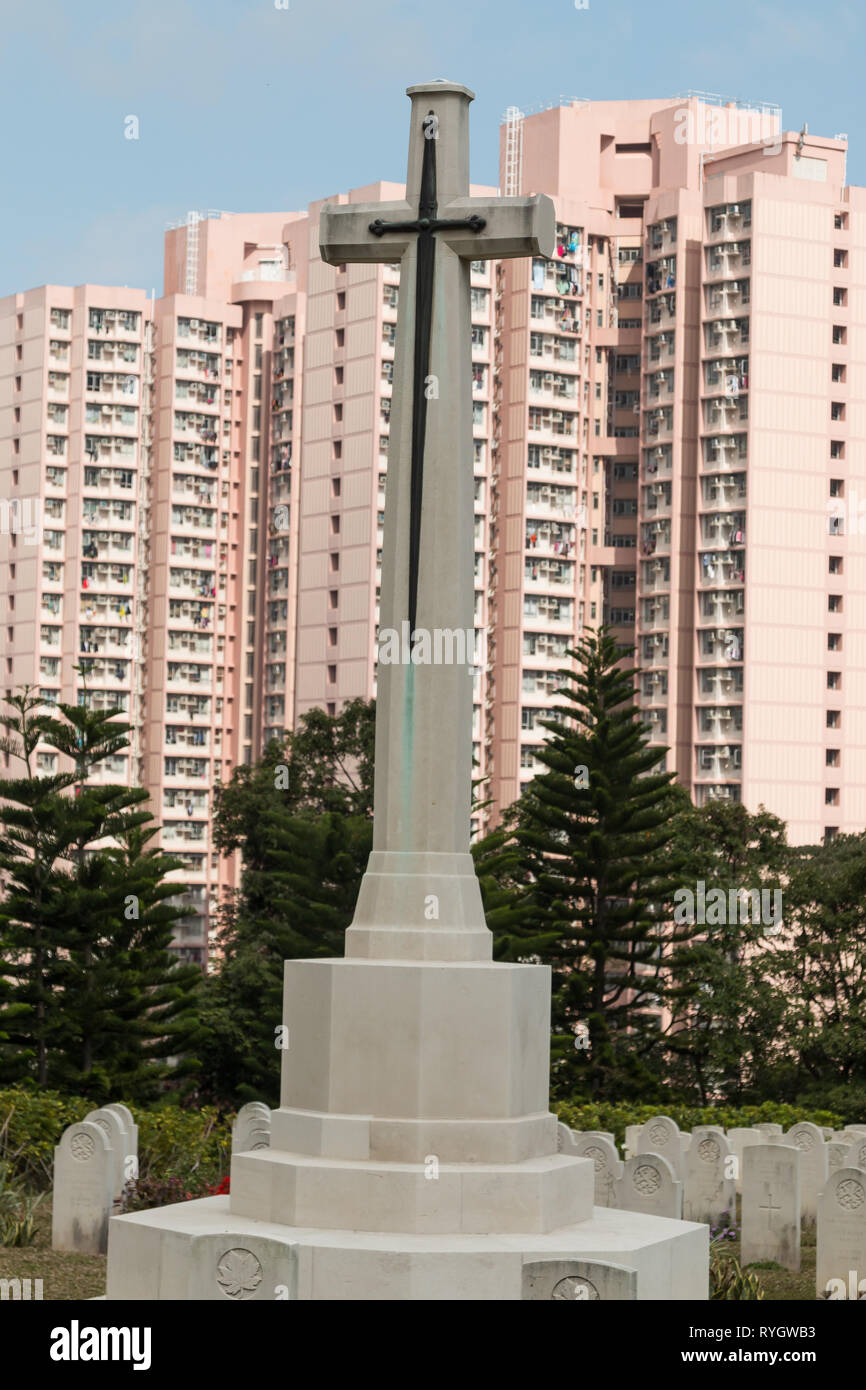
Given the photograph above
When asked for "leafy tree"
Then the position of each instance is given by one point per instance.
(302, 819)
(819, 965)
(725, 1013)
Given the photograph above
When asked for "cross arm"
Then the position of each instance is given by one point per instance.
(513, 227)
(344, 232)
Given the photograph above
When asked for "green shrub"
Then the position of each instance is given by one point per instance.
(614, 1116)
(17, 1209)
(194, 1145)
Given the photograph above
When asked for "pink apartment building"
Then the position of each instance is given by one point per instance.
(669, 422)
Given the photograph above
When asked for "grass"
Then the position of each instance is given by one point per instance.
(780, 1285)
(64, 1275)
(67, 1276)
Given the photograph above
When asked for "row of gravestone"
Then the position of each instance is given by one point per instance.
(783, 1178)
(97, 1157)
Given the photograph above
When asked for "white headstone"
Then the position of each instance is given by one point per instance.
(840, 1269)
(837, 1157)
(813, 1171)
(739, 1139)
(251, 1128)
(661, 1135)
(126, 1115)
(648, 1184)
(631, 1145)
(709, 1186)
(768, 1128)
(771, 1205)
(114, 1128)
(855, 1154)
(84, 1187)
(607, 1165)
(583, 1281)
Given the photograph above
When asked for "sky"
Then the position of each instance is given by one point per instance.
(265, 105)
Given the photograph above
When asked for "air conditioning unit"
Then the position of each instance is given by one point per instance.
(734, 209)
(193, 323)
(659, 452)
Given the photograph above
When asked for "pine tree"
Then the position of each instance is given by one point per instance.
(84, 923)
(595, 878)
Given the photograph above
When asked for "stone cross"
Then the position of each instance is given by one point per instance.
(419, 898)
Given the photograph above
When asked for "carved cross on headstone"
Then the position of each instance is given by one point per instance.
(424, 711)
(769, 1207)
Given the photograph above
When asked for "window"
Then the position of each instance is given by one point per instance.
(335, 526)
(338, 376)
(840, 258)
(834, 603)
(258, 320)
(338, 413)
(835, 564)
(840, 221)
(838, 333)
(834, 719)
(830, 832)
(333, 598)
(837, 449)
(338, 448)
(831, 757)
(834, 680)
(341, 300)
(837, 410)
(831, 796)
(840, 296)
(332, 675)
(837, 371)
(332, 637)
(334, 560)
(834, 641)
(336, 486)
(837, 487)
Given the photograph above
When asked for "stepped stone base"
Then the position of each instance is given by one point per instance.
(201, 1250)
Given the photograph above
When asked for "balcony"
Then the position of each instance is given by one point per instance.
(722, 567)
(725, 259)
(660, 422)
(723, 529)
(663, 310)
(656, 538)
(657, 500)
(721, 644)
(724, 685)
(656, 576)
(725, 299)
(654, 651)
(724, 452)
(655, 613)
(719, 722)
(718, 761)
(722, 605)
(654, 688)
(724, 489)
(729, 221)
(725, 413)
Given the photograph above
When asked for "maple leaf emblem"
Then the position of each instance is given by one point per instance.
(239, 1273)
